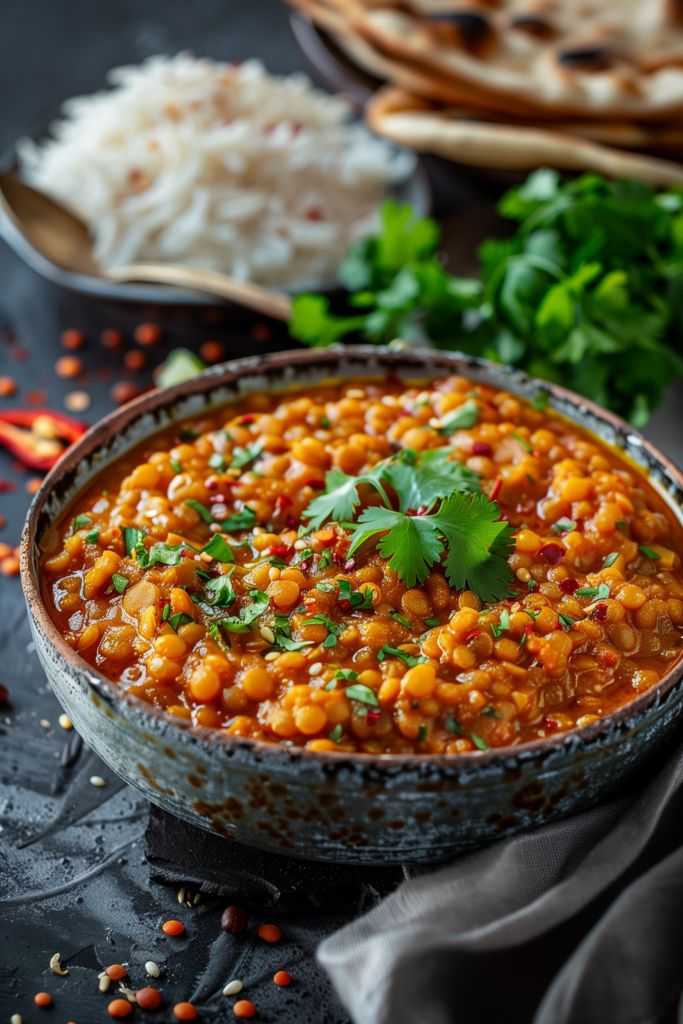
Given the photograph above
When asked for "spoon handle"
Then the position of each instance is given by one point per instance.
(253, 296)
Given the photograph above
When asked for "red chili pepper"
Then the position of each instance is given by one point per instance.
(282, 502)
(482, 448)
(496, 489)
(372, 717)
(280, 550)
(38, 437)
(568, 585)
(600, 613)
(471, 634)
(553, 553)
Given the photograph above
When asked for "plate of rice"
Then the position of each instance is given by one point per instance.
(221, 166)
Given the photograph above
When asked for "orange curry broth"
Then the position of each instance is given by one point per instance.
(556, 661)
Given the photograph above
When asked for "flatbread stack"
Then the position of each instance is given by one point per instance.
(515, 84)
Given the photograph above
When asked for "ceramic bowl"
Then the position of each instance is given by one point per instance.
(325, 806)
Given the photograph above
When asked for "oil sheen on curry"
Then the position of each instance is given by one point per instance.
(373, 567)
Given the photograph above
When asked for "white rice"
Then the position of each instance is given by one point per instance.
(216, 165)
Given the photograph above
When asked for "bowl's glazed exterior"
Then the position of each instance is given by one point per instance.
(337, 807)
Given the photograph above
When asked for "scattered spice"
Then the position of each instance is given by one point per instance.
(152, 969)
(97, 781)
(233, 987)
(123, 392)
(149, 334)
(16, 1018)
(148, 998)
(77, 401)
(42, 999)
(33, 484)
(244, 1009)
(36, 397)
(211, 351)
(116, 972)
(135, 360)
(72, 339)
(234, 920)
(69, 366)
(270, 932)
(8, 387)
(282, 979)
(10, 566)
(119, 1008)
(111, 338)
(56, 965)
(174, 928)
(184, 1011)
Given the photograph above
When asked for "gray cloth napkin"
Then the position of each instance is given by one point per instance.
(579, 922)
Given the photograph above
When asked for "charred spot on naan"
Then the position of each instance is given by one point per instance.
(587, 58)
(467, 29)
(533, 25)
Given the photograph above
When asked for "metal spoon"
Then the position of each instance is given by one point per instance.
(61, 237)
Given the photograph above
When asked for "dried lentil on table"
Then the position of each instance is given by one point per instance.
(595, 617)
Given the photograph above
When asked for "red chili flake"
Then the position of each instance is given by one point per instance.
(314, 213)
(568, 585)
(8, 387)
(72, 339)
(260, 332)
(282, 979)
(211, 351)
(550, 723)
(248, 418)
(148, 334)
(148, 998)
(292, 523)
(135, 360)
(471, 634)
(610, 658)
(482, 448)
(69, 366)
(111, 338)
(234, 919)
(373, 717)
(496, 489)
(280, 550)
(345, 606)
(528, 629)
(36, 397)
(282, 502)
(600, 613)
(123, 392)
(42, 999)
(173, 928)
(553, 553)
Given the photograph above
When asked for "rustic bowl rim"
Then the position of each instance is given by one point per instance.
(223, 373)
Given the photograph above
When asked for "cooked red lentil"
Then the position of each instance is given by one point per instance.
(189, 572)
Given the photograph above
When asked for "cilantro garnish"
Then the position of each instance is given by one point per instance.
(92, 537)
(217, 461)
(402, 619)
(333, 629)
(202, 511)
(326, 587)
(479, 743)
(395, 652)
(491, 713)
(219, 592)
(325, 560)
(80, 521)
(219, 549)
(179, 619)
(357, 599)
(566, 620)
(523, 441)
(503, 623)
(462, 418)
(119, 582)
(158, 554)
(336, 734)
(601, 593)
(176, 466)
(363, 694)
(243, 520)
(610, 560)
(248, 614)
(422, 733)
(432, 622)
(132, 538)
(241, 457)
(453, 726)
(563, 526)
(648, 552)
(283, 636)
(348, 674)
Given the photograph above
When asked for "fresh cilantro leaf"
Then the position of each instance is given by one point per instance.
(648, 552)
(563, 526)
(248, 614)
(610, 560)
(333, 628)
(243, 520)
(401, 619)
(92, 537)
(461, 418)
(432, 623)
(283, 636)
(219, 592)
(120, 582)
(434, 474)
(348, 674)
(179, 619)
(325, 560)
(340, 498)
(395, 652)
(80, 521)
(336, 733)
(363, 694)
(357, 599)
(566, 620)
(242, 456)
(217, 461)
(326, 587)
(453, 726)
(479, 743)
(202, 511)
(176, 466)
(422, 733)
(219, 549)
(132, 537)
(158, 554)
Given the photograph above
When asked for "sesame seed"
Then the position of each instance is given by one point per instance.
(233, 987)
(77, 401)
(315, 669)
(97, 781)
(152, 969)
(355, 393)
(65, 722)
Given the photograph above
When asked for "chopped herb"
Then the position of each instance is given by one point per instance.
(131, 538)
(166, 613)
(120, 582)
(336, 734)
(586, 592)
(479, 743)
(503, 623)
(80, 521)
(219, 592)
(325, 560)
(283, 636)
(219, 549)
(604, 591)
(248, 613)
(333, 629)
(332, 685)
(303, 556)
(241, 457)
(92, 537)
(179, 619)
(491, 712)
(394, 652)
(176, 466)
(532, 615)
(532, 585)
(462, 418)
(276, 561)
(432, 622)
(363, 694)
(422, 733)
(523, 441)
(563, 526)
(610, 560)
(648, 552)
(158, 554)
(346, 674)
(566, 620)
(243, 520)
(453, 726)
(326, 587)
(621, 524)
(202, 511)
(217, 461)
(325, 422)
(360, 600)
(401, 619)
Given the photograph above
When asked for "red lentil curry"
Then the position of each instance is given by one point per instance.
(373, 567)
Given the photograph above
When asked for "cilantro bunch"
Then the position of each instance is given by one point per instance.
(587, 292)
